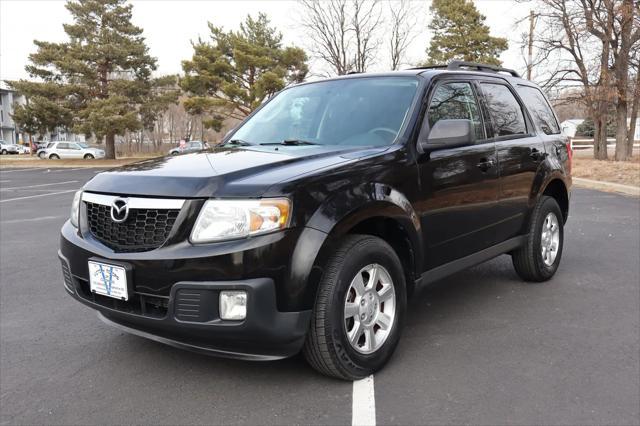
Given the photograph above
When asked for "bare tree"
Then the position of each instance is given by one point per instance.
(344, 34)
(403, 22)
(574, 58)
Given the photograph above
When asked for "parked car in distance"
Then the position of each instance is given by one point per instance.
(70, 150)
(192, 146)
(7, 148)
(24, 149)
(309, 227)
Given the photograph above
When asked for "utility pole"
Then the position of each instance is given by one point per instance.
(532, 25)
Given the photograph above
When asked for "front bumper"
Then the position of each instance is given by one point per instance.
(158, 313)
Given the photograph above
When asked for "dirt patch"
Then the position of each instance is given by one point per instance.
(624, 172)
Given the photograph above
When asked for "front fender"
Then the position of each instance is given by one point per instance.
(334, 218)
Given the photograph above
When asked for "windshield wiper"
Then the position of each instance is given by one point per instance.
(238, 142)
(291, 142)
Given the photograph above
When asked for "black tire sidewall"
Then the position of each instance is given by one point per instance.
(54, 157)
(548, 205)
(361, 255)
(88, 157)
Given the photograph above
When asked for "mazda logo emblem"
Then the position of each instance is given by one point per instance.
(119, 210)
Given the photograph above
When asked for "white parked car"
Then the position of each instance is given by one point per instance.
(6, 148)
(24, 149)
(70, 150)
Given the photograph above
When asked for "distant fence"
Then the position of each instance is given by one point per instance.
(578, 144)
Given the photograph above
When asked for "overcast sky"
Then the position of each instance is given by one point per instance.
(170, 25)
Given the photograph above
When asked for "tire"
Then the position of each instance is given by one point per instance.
(529, 261)
(88, 157)
(4, 152)
(175, 153)
(327, 348)
(42, 155)
(54, 157)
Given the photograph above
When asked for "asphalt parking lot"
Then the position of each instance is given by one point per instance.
(481, 347)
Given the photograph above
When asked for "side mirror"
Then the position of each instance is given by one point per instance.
(448, 134)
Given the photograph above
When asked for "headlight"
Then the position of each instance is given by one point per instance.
(75, 208)
(228, 219)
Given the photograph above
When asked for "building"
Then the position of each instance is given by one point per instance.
(8, 131)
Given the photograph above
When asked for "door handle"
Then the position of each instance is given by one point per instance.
(485, 164)
(537, 155)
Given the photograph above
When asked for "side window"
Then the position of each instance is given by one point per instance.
(504, 109)
(74, 146)
(455, 101)
(540, 109)
(62, 146)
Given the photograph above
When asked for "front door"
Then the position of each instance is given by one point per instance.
(459, 186)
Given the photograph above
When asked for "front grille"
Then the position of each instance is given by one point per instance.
(144, 229)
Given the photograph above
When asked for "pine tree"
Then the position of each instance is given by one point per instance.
(236, 71)
(97, 81)
(459, 33)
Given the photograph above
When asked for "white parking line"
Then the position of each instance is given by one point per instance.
(34, 219)
(21, 170)
(38, 186)
(363, 408)
(68, 170)
(37, 196)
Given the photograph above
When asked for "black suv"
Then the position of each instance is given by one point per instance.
(308, 227)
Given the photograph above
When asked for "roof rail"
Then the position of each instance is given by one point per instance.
(462, 65)
(457, 65)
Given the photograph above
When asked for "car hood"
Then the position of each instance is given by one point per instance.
(223, 171)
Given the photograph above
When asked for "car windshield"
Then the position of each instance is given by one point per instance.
(51, 144)
(355, 111)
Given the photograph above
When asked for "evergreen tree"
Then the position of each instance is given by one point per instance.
(459, 33)
(236, 71)
(97, 81)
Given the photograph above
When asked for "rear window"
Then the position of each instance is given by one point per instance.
(540, 109)
(505, 111)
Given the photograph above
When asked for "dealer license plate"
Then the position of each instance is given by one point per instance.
(108, 280)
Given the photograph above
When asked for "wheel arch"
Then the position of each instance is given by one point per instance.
(378, 210)
(557, 189)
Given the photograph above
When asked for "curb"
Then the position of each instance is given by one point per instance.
(630, 190)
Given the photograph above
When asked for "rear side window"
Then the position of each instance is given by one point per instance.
(504, 109)
(455, 101)
(540, 109)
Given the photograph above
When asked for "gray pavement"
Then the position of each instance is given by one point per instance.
(481, 347)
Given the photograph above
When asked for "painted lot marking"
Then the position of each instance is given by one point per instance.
(37, 196)
(38, 186)
(363, 409)
(34, 219)
(13, 171)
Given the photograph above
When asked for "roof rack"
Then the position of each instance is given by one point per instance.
(464, 65)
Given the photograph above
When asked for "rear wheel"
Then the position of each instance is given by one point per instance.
(539, 258)
(3, 152)
(88, 157)
(42, 155)
(54, 157)
(359, 310)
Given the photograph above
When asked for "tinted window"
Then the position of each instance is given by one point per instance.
(62, 146)
(540, 110)
(352, 111)
(504, 109)
(455, 101)
(73, 146)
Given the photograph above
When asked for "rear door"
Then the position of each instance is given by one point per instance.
(520, 153)
(459, 186)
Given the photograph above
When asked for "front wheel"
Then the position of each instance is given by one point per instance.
(539, 258)
(54, 157)
(4, 152)
(88, 157)
(359, 310)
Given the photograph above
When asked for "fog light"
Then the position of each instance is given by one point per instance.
(233, 305)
